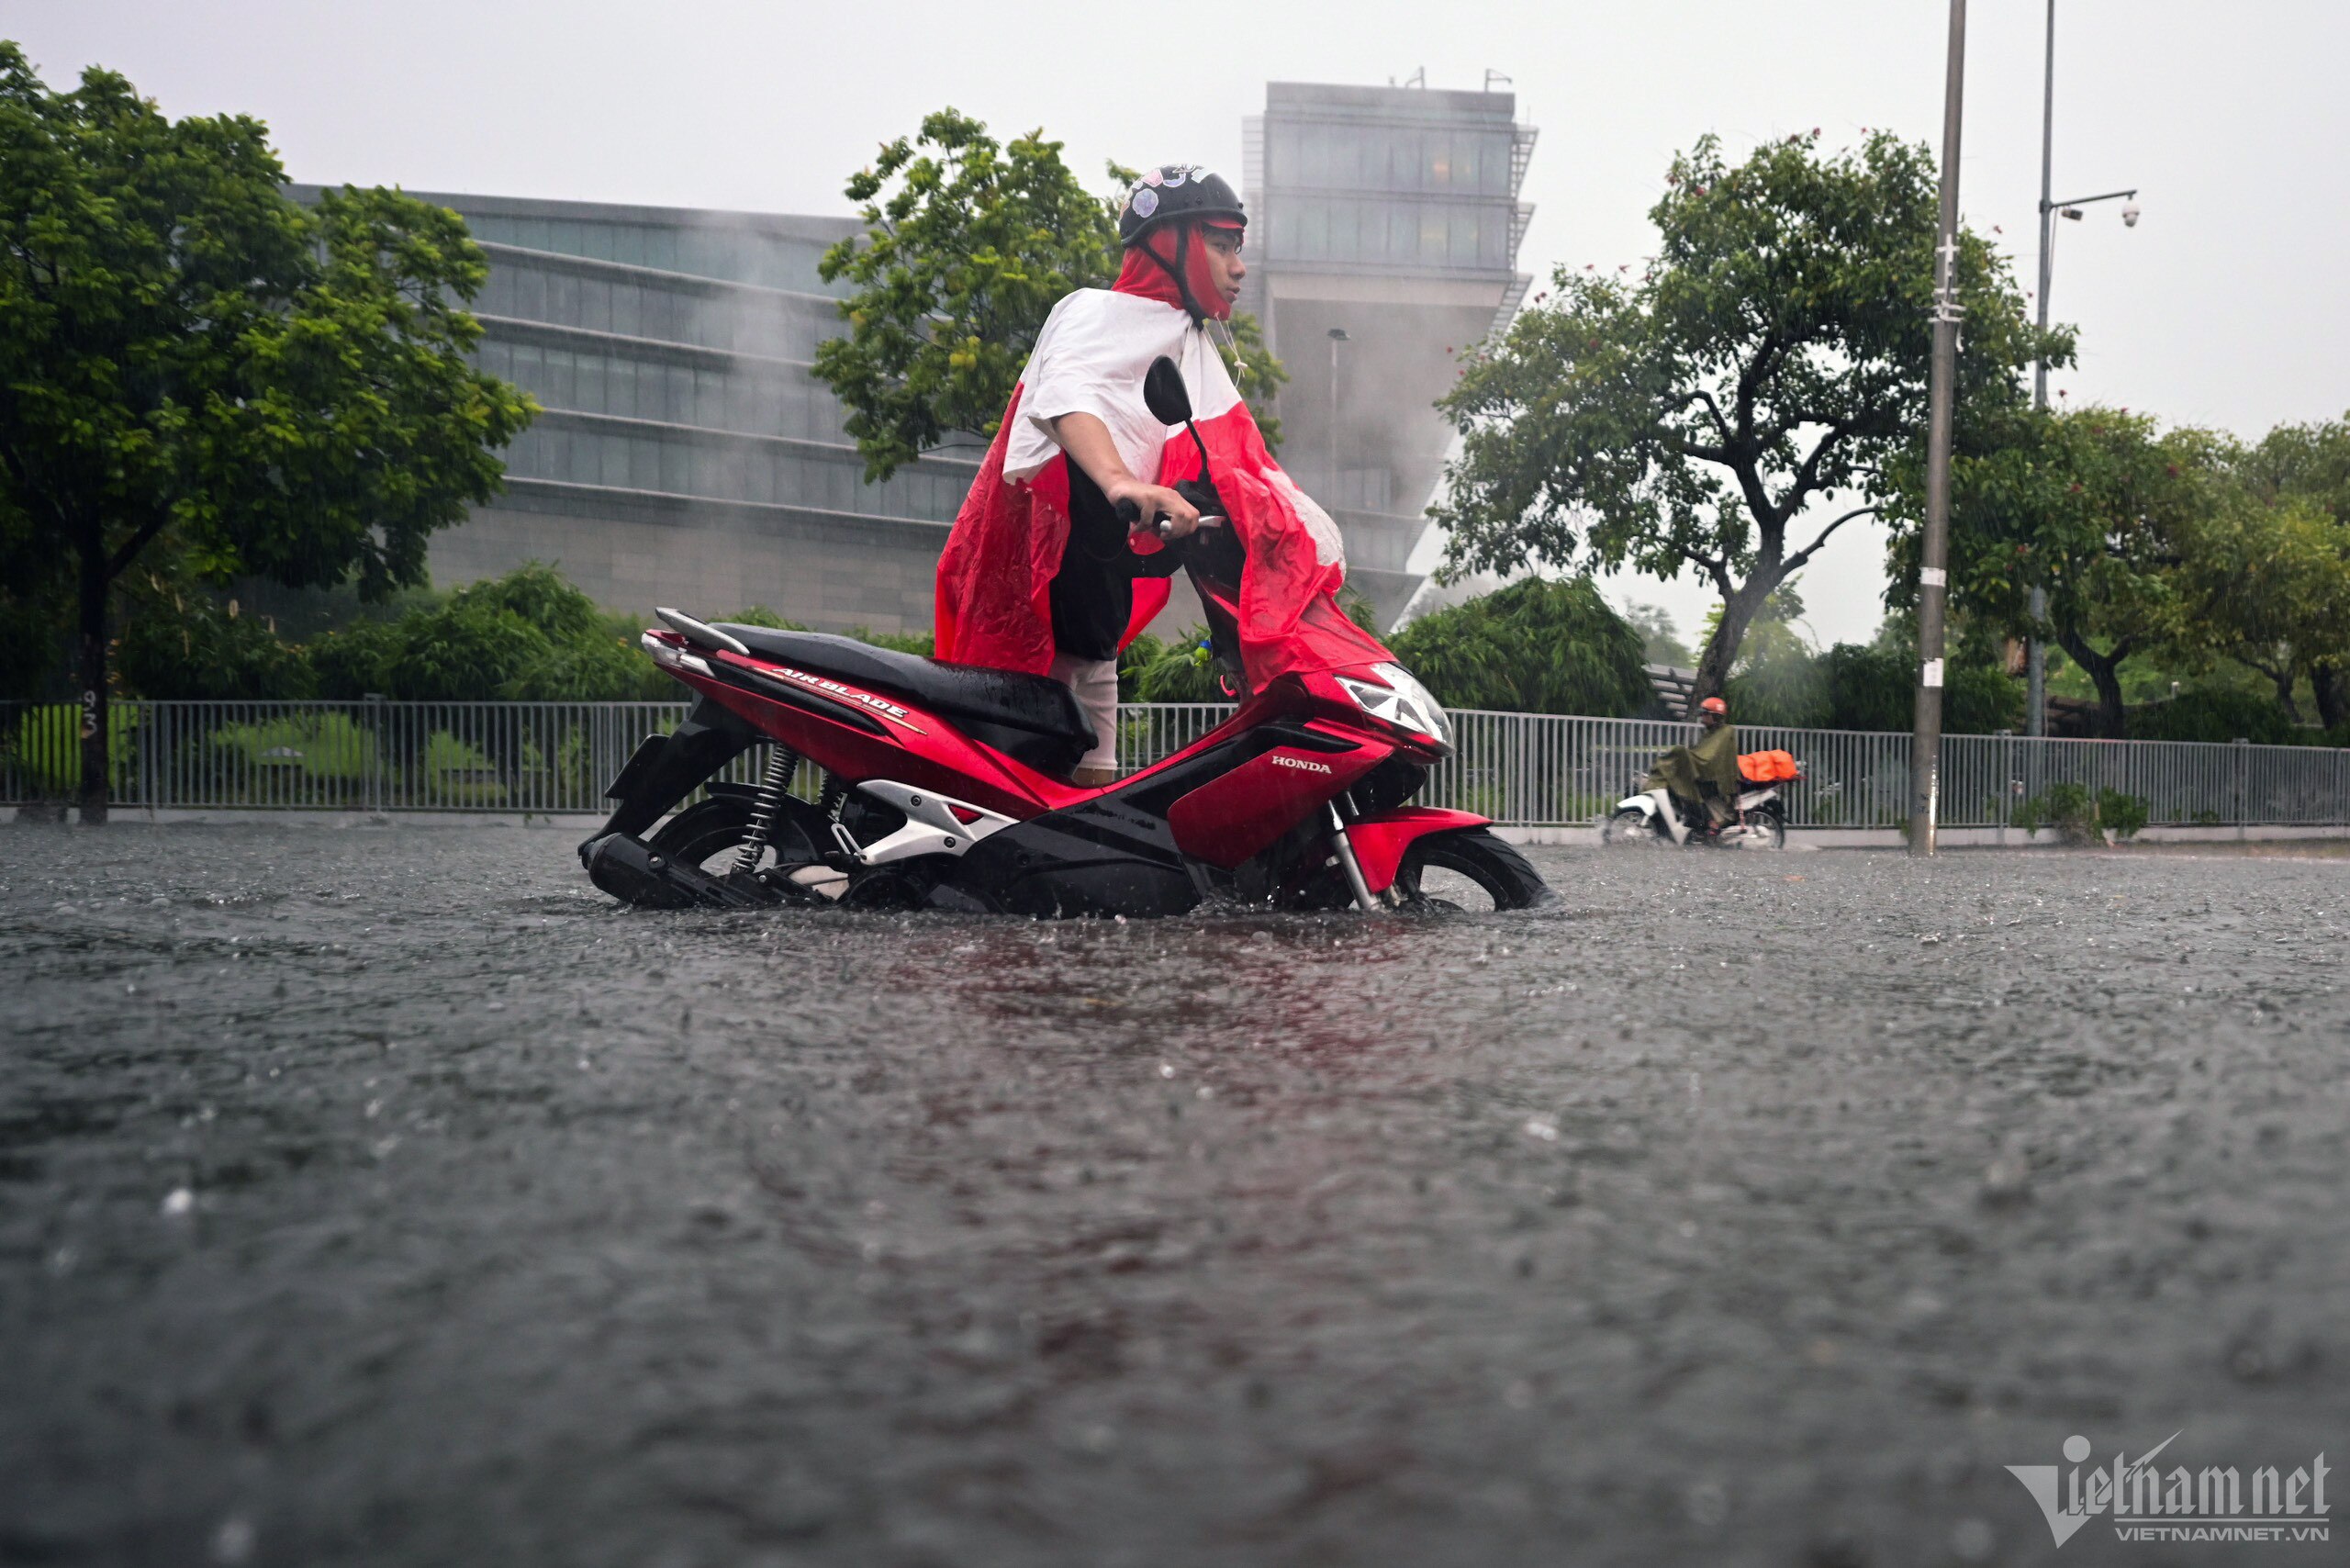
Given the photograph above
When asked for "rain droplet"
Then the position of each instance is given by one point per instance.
(233, 1542)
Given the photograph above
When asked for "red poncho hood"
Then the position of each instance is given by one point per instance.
(1151, 267)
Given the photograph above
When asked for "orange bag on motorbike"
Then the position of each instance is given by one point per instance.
(1768, 766)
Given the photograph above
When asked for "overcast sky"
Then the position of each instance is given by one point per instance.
(2225, 305)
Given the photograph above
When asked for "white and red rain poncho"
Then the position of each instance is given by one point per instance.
(995, 575)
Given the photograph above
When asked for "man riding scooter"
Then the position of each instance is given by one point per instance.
(1048, 570)
(1703, 777)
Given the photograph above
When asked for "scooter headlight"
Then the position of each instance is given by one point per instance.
(1402, 701)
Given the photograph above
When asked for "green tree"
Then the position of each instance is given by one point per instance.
(2307, 462)
(1540, 645)
(2311, 464)
(1660, 641)
(188, 356)
(2266, 583)
(180, 642)
(1780, 679)
(969, 244)
(2098, 505)
(1773, 356)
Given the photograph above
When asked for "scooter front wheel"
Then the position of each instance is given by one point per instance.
(1631, 826)
(1469, 871)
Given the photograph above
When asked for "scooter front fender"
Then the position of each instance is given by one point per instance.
(1380, 841)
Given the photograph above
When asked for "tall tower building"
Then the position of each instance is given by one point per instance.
(1383, 232)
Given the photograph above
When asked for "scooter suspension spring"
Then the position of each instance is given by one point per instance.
(766, 806)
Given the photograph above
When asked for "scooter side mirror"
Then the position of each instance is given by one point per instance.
(1163, 390)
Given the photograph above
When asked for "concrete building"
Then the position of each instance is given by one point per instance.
(1384, 234)
(688, 455)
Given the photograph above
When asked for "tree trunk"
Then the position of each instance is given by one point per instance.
(93, 672)
(2105, 670)
(2333, 699)
(1721, 651)
(2284, 683)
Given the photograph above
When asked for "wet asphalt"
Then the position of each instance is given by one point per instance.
(388, 1196)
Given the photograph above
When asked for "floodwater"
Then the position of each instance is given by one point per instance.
(389, 1197)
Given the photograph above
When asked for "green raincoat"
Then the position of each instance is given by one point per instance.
(1713, 756)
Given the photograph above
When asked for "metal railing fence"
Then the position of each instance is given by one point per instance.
(1528, 769)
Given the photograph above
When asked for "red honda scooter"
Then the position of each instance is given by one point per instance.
(944, 784)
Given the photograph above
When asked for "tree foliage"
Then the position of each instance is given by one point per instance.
(2179, 544)
(1869, 686)
(2266, 583)
(2311, 464)
(180, 642)
(1660, 641)
(969, 244)
(1540, 645)
(188, 355)
(2094, 505)
(527, 636)
(1773, 355)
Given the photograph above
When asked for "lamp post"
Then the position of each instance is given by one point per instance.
(1933, 574)
(1338, 335)
(2035, 718)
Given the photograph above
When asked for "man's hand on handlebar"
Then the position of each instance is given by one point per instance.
(1141, 504)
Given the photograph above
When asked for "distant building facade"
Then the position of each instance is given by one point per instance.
(688, 455)
(1391, 215)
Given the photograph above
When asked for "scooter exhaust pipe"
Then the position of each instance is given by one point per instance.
(634, 872)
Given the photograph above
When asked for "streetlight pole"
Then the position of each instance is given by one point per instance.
(1338, 336)
(2035, 712)
(1933, 576)
(2035, 718)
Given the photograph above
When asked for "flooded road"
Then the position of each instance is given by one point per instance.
(389, 1197)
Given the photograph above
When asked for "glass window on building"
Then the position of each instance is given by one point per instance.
(527, 366)
(561, 378)
(557, 298)
(530, 295)
(589, 300)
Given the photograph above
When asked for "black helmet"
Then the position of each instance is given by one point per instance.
(1173, 192)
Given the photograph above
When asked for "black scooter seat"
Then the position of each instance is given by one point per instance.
(1049, 730)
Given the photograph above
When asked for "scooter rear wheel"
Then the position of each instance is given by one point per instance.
(1469, 871)
(706, 834)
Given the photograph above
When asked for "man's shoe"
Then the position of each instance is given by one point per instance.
(1095, 777)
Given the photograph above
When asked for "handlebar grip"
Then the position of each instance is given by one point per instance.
(1130, 512)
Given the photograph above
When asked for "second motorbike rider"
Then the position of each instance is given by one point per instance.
(1703, 777)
